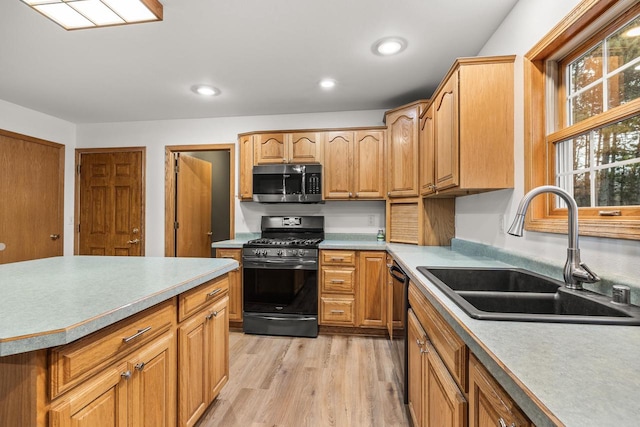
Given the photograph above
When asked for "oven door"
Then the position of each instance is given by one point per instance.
(280, 297)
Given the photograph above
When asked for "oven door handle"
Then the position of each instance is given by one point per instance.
(268, 263)
(402, 277)
(288, 318)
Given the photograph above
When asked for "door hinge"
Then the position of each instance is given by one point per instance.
(78, 228)
(176, 166)
(176, 225)
(78, 168)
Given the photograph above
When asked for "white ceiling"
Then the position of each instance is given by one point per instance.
(266, 56)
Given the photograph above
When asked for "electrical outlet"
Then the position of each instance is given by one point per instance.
(372, 219)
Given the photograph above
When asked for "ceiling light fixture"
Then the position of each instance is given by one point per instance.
(206, 90)
(327, 83)
(389, 46)
(633, 32)
(77, 14)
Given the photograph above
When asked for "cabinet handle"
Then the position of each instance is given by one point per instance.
(126, 375)
(420, 343)
(140, 366)
(337, 281)
(501, 423)
(136, 335)
(337, 311)
(337, 259)
(424, 350)
(214, 292)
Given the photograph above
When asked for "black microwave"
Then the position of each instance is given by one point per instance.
(287, 183)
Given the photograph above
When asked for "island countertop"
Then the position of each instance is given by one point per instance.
(53, 301)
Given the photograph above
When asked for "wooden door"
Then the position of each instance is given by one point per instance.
(100, 402)
(368, 165)
(306, 147)
(446, 135)
(270, 148)
(372, 279)
(416, 338)
(192, 354)
(153, 384)
(193, 207)
(218, 347)
(427, 153)
(32, 195)
(338, 165)
(111, 203)
(402, 153)
(246, 167)
(446, 406)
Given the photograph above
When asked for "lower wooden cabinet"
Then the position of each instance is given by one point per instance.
(434, 397)
(139, 391)
(235, 283)
(489, 404)
(203, 352)
(372, 271)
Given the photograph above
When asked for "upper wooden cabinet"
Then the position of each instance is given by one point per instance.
(402, 149)
(245, 143)
(354, 164)
(277, 148)
(470, 140)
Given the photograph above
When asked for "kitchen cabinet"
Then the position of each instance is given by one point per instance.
(203, 349)
(235, 283)
(294, 147)
(489, 405)
(338, 288)
(354, 164)
(472, 129)
(372, 269)
(245, 145)
(403, 149)
(427, 152)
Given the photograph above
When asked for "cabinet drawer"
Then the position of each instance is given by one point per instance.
(452, 350)
(337, 311)
(72, 363)
(338, 280)
(235, 254)
(193, 300)
(338, 257)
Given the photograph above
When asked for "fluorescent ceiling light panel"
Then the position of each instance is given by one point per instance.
(74, 14)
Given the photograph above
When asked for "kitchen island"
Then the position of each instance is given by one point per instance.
(71, 325)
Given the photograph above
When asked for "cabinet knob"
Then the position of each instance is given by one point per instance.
(126, 375)
(388, 193)
(350, 194)
(502, 423)
(140, 366)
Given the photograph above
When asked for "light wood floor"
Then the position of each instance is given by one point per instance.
(332, 380)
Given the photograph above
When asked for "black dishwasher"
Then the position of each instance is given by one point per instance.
(399, 348)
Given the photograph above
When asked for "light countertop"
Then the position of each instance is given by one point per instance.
(584, 375)
(53, 301)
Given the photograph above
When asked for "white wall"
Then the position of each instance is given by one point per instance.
(340, 217)
(478, 217)
(28, 122)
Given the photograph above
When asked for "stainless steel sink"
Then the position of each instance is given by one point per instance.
(517, 294)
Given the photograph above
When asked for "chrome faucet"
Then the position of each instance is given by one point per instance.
(575, 271)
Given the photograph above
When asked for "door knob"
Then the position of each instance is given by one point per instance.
(209, 233)
(133, 242)
(54, 236)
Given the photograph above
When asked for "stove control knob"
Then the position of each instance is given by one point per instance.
(264, 252)
(280, 252)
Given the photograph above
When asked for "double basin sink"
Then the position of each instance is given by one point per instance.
(517, 294)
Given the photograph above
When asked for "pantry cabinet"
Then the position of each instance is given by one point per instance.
(472, 129)
(403, 150)
(245, 144)
(353, 164)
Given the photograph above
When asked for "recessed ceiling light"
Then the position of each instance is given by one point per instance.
(206, 90)
(389, 46)
(327, 83)
(633, 32)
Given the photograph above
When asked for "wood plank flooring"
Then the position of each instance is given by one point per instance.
(332, 380)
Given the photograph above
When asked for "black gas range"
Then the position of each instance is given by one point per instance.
(280, 284)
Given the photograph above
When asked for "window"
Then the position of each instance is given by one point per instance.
(582, 120)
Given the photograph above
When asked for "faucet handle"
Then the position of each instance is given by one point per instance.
(586, 274)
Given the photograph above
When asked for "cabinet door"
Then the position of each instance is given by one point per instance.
(99, 402)
(153, 384)
(368, 165)
(338, 169)
(427, 152)
(270, 148)
(416, 339)
(193, 354)
(246, 167)
(305, 147)
(235, 283)
(372, 284)
(402, 152)
(217, 348)
(446, 135)
(446, 405)
(490, 405)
